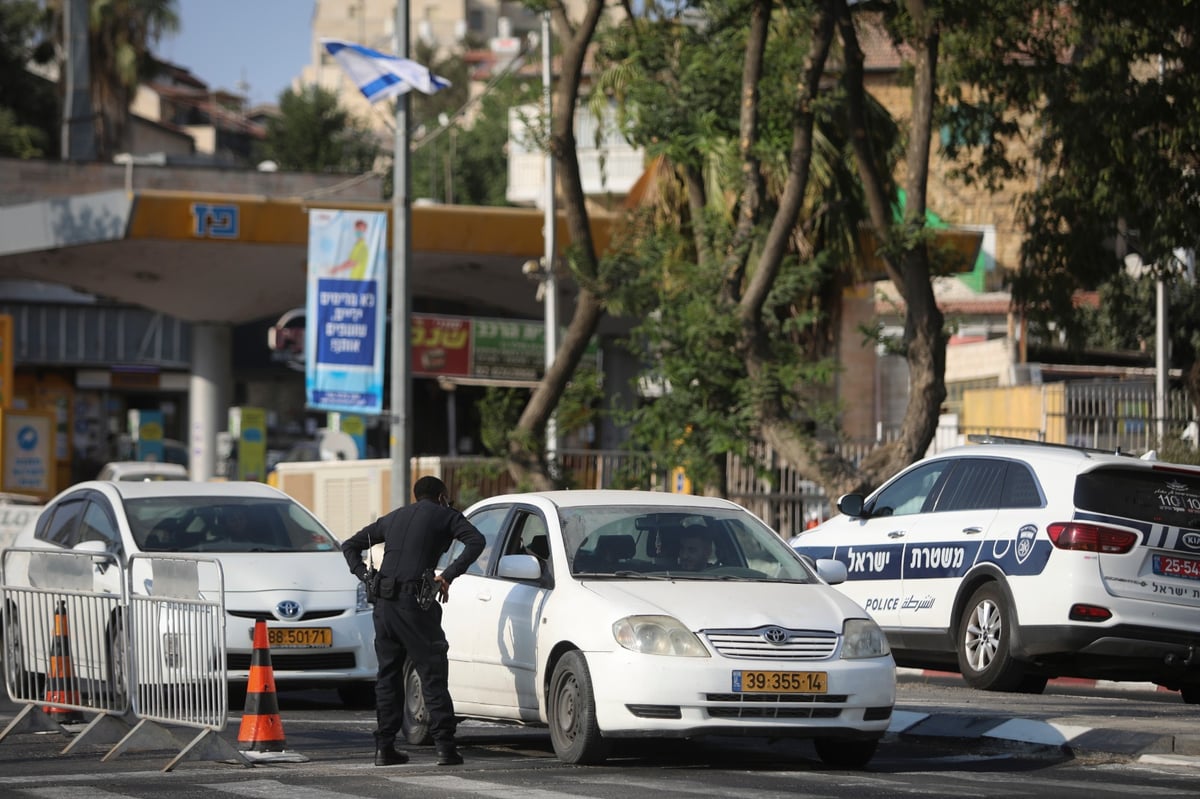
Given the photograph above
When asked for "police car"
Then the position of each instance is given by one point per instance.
(1016, 562)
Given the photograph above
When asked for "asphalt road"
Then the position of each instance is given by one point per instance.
(328, 756)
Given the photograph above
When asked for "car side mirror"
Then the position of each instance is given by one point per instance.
(831, 571)
(99, 550)
(851, 504)
(520, 567)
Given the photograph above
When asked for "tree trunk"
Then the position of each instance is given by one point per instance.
(526, 458)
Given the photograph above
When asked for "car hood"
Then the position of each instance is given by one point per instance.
(704, 604)
(309, 572)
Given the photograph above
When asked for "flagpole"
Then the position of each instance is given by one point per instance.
(401, 401)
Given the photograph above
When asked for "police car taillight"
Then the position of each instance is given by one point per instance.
(1091, 538)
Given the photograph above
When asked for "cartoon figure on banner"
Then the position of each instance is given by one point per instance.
(356, 261)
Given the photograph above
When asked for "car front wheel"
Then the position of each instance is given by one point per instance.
(984, 644)
(573, 729)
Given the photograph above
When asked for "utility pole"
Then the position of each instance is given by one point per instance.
(401, 401)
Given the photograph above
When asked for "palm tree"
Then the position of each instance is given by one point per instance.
(120, 34)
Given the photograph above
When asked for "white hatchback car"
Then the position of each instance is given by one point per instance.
(1016, 562)
(584, 614)
(280, 565)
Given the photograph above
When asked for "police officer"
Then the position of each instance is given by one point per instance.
(414, 538)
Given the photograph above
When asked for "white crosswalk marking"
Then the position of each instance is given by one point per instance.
(70, 792)
(274, 789)
(481, 788)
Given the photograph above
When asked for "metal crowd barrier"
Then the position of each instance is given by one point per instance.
(142, 661)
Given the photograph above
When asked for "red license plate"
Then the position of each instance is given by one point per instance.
(1175, 566)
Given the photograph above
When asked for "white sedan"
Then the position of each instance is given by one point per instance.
(624, 614)
(280, 565)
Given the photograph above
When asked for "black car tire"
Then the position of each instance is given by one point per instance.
(414, 719)
(18, 677)
(1190, 693)
(843, 753)
(572, 713)
(984, 643)
(117, 665)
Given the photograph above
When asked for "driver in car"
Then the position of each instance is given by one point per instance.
(695, 550)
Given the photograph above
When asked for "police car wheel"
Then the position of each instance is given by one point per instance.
(984, 635)
(25, 683)
(117, 663)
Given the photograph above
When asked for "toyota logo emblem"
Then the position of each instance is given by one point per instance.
(774, 635)
(287, 609)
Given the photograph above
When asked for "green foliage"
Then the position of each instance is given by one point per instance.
(679, 87)
(499, 411)
(467, 163)
(313, 133)
(1113, 92)
(28, 106)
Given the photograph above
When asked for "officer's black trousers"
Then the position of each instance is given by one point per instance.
(403, 630)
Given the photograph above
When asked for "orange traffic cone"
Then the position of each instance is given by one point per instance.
(60, 677)
(261, 730)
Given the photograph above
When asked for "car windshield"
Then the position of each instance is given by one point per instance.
(225, 524)
(699, 544)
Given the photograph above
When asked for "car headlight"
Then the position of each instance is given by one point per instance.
(658, 635)
(862, 638)
(360, 598)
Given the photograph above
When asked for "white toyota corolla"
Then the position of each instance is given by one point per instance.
(621, 614)
(280, 565)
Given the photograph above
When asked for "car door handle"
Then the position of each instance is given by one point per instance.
(484, 596)
(972, 530)
(897, 534)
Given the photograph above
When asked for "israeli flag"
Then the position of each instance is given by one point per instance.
(380, 76)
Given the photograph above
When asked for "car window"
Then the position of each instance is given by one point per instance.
(1161, 497)
(98, 524)
(973, 484)
(527, 536)
(910, 492)
(59, 525)
(206, 524)
(1020, 488)
(489, 522)
(629, 542)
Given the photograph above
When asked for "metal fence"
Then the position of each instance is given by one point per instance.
(90, 644)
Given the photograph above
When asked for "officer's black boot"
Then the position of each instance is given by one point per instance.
(447, 754)
(386, 754)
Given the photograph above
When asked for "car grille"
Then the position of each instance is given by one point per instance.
(775, 706)
(773, 643)
(315, 661)
(266, 615)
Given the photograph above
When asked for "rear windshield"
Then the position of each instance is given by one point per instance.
(1169, 498)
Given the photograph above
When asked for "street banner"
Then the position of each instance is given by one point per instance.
(346, 309)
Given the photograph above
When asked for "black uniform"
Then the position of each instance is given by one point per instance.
(414, 538)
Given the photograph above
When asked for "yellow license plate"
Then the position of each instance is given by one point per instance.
(296, 637)
(780, 682)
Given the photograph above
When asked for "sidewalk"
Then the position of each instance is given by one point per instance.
(1099, 727)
